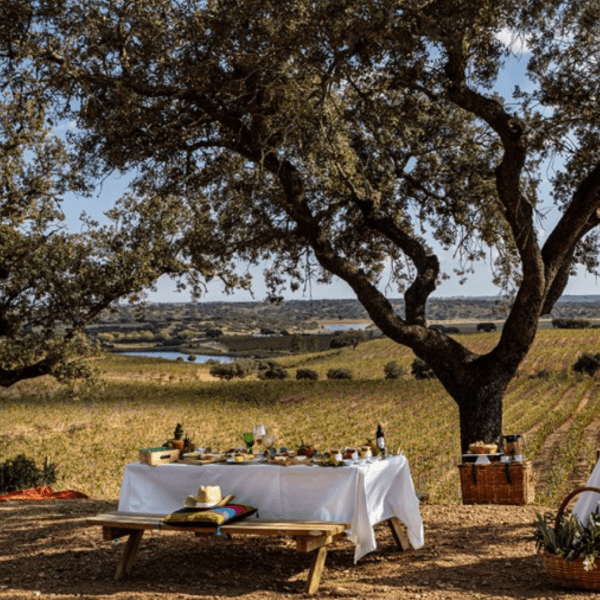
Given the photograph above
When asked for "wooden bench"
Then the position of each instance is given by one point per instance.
(309, 536)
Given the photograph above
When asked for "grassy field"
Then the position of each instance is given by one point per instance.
(90, 433)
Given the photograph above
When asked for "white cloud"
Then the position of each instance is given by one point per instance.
(515, 42)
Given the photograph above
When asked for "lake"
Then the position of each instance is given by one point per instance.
(345, 327)
(200, 358)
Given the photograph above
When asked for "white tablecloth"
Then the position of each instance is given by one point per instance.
(587, 502)
(362, 495)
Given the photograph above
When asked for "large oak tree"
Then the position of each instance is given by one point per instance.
(339, 136)
(53, 281)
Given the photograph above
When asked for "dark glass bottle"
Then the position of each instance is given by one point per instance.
(381, 441)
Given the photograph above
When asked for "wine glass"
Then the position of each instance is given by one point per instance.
(259, 433)
(269, 440)
(249, 440)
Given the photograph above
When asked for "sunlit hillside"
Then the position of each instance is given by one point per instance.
(90, 433)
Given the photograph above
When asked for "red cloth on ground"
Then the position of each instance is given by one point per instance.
(43, 493)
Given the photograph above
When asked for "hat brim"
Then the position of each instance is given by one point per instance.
(192, 502)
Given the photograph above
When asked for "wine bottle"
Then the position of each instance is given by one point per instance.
(381, 441)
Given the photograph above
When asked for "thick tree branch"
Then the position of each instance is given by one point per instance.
(521, 325)
(426, 263)
(511, 131)
(9, 377)
(580, 217)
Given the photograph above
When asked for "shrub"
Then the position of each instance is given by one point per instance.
(213, 333)
(339, 374)
(239, 369)
(226, 371)
(393, 370)
(339, 342)
(137, 336)
(570, 323)
(587, 363)
(21, 473)
(307, 374)
(164, 335)
(421, 370)
(277, 372)
(187, 334)
(345, 339)
(265, 365)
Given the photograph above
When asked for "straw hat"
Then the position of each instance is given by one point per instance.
(208, 497)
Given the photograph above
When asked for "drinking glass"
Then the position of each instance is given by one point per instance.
(269, 440)
(259, 433)
(249, 441)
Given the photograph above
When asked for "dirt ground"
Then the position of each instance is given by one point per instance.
(47, 551)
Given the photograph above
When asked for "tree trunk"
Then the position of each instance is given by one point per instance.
(480, 420)
(480, 409)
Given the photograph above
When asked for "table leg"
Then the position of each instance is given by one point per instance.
(316, 570)
(124, 566)
(399, 533)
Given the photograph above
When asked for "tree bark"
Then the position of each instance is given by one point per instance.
(9, 377)
(480, 399)
(480, 414)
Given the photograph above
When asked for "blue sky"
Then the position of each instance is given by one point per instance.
(478, 284)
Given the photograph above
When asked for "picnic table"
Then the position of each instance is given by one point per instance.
(361, 495)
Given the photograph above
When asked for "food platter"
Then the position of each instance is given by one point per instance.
(244, 460)
(288, 461)
(282, 461)
(195, 458)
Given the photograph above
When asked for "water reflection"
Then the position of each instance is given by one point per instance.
(200, 358)
(346, 327)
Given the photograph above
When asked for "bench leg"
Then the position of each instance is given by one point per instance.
(399, 533)
(124, 566)
(316, 570)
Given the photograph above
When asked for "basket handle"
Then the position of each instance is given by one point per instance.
(564, 503)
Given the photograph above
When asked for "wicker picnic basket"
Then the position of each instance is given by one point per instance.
(497, 483)
(570, 573)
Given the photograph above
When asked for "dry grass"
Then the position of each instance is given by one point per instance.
(90, 433)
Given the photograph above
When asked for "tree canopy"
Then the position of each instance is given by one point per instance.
(53, 282)
(342, 137)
